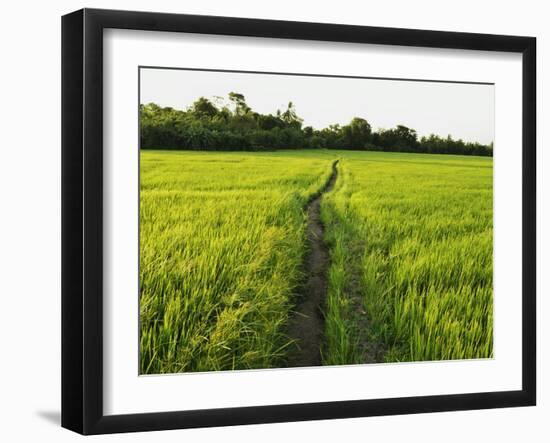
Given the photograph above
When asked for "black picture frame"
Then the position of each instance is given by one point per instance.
(82, 215)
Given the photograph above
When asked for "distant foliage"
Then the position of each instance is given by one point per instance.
(233, 126)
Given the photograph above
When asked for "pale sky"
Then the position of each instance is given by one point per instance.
(463, 110)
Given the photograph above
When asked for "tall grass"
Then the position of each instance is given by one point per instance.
(222, 245)
(411, 270)
(221, 249)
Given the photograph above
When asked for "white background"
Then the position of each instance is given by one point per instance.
(30, 220)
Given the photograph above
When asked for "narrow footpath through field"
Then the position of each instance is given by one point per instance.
(306, 322)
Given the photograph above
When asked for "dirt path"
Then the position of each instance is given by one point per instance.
(306, 322)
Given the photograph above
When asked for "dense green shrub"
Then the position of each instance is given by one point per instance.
(236, 127)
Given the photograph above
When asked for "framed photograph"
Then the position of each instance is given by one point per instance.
(268, 221)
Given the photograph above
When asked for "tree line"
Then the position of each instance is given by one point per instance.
(231, 125)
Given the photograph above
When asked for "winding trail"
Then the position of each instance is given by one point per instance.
(306, 324)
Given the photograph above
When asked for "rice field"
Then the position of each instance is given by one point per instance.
(222, 247)
(411, 271)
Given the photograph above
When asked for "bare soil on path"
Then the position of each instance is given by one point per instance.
(306, 324)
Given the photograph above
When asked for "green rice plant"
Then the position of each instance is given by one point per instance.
(221, 250)
(222, 247)
(416, 232)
